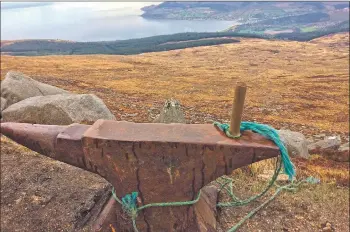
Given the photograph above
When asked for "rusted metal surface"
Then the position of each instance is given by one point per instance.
(163, 162)
(39, 138)
(107, 217)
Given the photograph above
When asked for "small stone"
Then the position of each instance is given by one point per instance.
(267, 175)
(131, 115)
(344, 147)
(320, 136)
(18, 201)
(41, 200)
(327, 229)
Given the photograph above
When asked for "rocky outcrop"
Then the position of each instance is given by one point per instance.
(330, 147)
(16, 87)
(295, 142)
(62, 109)
(171, 113)
(331, 142)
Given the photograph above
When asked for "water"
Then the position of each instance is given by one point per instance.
(88, 22)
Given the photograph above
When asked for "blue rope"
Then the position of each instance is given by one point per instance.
(269, 133)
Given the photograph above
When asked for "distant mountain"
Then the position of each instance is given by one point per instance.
(242, 11)
(297, 20)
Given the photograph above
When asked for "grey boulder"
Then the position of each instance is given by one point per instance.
(62, 109)
(295, 142)
(17, 86)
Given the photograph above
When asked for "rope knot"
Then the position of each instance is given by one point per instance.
(129, 204)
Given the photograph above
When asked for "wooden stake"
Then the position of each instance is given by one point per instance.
(237, 109)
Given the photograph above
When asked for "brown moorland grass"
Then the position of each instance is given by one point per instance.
(300, 85)
(303, 86)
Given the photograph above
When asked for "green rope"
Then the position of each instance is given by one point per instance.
(269, 133)
(289, 187)
(129, 205)
(129, 201)
(235, 201)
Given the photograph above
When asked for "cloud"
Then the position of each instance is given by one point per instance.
(17, 5)
(103, 5)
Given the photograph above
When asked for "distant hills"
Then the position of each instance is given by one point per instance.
(120, 47)
(242, 11)
(300, 21)
(262, 18)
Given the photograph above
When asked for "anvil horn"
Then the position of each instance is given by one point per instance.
(39, 138)
(62, 143)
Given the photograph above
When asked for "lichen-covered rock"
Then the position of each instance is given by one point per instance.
(61, 109)
(331, 148)
(16, 87)
(331, 142)
(295, 142)
(171, 113)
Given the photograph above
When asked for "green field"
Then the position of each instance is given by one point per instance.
(308, 29)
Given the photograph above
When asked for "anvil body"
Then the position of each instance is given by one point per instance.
(163, 162)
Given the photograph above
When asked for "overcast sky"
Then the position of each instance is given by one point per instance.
(95, 5)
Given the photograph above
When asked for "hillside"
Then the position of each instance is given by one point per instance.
(156, 43)
(243, 11)
(288, 20)
(286, 79)
(121, 47)
(302, 86)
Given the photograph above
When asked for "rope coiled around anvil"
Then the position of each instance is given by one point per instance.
(271, 134)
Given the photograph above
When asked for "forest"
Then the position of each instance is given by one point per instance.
(154, 43)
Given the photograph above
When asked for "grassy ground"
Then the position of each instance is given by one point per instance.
(308, 209)
(302, 86)
(286, 80)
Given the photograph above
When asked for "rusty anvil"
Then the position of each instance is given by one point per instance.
(162, 162)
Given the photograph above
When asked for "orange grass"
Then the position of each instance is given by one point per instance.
(299, 83)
